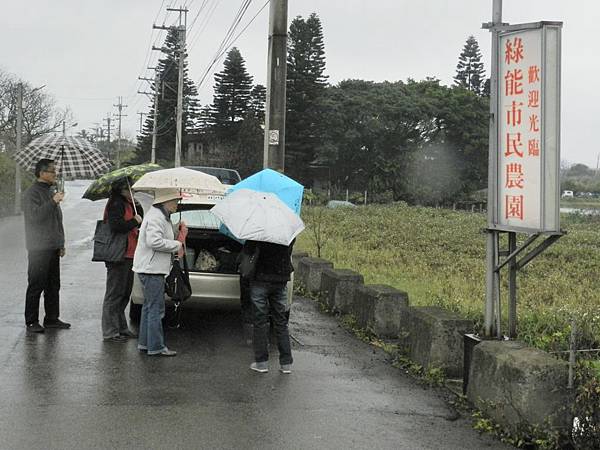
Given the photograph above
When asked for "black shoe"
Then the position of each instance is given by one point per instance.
(56, 324)
(120, 339)
(35, 327)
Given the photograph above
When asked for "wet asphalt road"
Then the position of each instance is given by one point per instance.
(66, 389)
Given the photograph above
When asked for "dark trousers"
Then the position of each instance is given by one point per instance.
(119, 282)
(43, 275)
(270, 298)
(245, 301)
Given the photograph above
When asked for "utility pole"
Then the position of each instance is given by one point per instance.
(120, 106)
(181, 31)
(108, 127)
(142, 114)
(155, 119)
(492, 293)
(274, 144)
(18, 149)
(156, 82)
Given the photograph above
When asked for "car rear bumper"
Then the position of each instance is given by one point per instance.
(206, 288)
(209, 289)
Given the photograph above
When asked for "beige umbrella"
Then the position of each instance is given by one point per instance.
(186, 180)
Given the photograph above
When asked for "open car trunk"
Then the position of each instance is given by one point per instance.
(210, 251)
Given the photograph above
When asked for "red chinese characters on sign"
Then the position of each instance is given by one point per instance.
(514, 176)
(534, 74)
(513, 50)
(513, 84)
(513, 144)
(513, 115)
(534, 123)
(533, 99)
(533, 147)
(514, 207)
(521, 101)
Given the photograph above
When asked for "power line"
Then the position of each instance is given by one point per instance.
(219, 56)
(204, 23)
(243, 8)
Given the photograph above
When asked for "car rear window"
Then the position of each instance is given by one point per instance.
(225, 176)
(197, 219)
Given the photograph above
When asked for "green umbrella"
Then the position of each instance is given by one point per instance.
(100, 188)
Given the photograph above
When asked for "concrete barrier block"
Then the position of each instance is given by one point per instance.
(382, 308)
(436, 339)
(309, 273)
(519, 386)
(296, 257)
(338, 287)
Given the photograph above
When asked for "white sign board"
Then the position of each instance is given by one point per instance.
(273, 137)
(528, 119)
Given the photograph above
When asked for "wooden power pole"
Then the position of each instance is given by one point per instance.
(274, 144)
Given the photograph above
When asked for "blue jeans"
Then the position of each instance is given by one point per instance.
(270, 298)
(151, 335)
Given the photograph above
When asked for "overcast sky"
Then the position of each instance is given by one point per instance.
(88, 53)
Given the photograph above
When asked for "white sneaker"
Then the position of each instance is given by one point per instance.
(285, 368)
(260, 367)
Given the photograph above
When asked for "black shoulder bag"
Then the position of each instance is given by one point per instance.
(108, 246)
(177, 283)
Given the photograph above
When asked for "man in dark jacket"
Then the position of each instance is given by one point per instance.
(268, 293)
(45, 241)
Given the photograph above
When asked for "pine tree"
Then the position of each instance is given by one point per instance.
(470, 73)
(168, 69)
(232, 96)
(306, 85)
(258, 98)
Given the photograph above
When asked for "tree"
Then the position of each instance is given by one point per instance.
(306, 93)
(233, 88)
(168, 70)
(258, 98)
(416, 141)
(40, 114)
(470, 73)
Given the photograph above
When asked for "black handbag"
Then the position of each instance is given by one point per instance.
(247, 262)
(108, 246)
(177, 283)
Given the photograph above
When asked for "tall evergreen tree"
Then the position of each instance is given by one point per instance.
(306, 86)
(168, 69)
(258, 98)
(470, 73)
(232, 96)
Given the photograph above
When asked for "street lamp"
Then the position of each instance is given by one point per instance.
(18, 149)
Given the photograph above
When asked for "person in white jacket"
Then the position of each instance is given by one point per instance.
(152, 262)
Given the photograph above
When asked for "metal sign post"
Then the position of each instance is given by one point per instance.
(524, 154)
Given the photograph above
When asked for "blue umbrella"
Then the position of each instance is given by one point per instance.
(268, 180)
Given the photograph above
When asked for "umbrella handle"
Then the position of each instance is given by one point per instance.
(132, 198)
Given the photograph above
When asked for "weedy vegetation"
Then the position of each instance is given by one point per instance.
(438, 257)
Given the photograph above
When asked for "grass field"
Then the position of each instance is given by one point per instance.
(438, 257)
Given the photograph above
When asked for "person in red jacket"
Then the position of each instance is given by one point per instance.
(122, 217)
